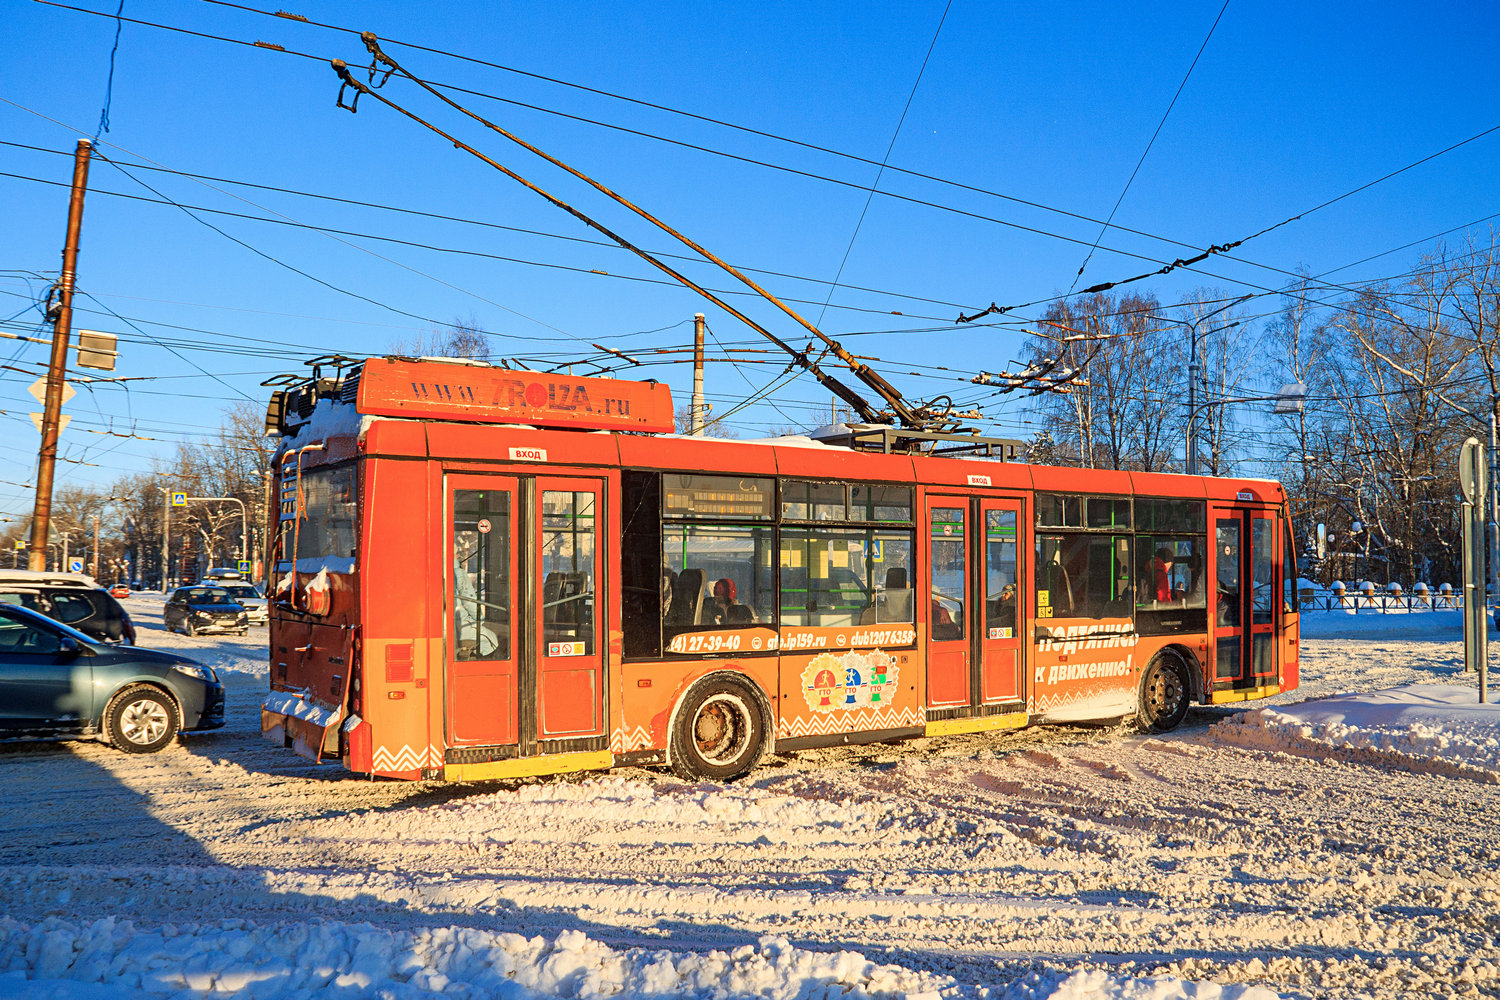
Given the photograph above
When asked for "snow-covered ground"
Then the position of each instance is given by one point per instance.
(1339, 841)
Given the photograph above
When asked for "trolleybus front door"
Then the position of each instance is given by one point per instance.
(481, 673)
(974, 647)
(1247, 573)
(569, 616)
(949, 603)
(524, 666)
(1000, 632)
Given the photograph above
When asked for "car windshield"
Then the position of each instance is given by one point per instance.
(208, 595)
(242, 590)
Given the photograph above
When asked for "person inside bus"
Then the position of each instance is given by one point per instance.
(1122, 605)
(1002, 609)
(1195, 597)
(1161, 574)
(726, 611)
(944, 625)
(668, 585)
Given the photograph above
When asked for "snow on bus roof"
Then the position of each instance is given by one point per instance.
(331, 418)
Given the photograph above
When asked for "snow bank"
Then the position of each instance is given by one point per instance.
(1096, 984)
(1435, 728)
(618, 811)
(113, 958)
(1370, 623)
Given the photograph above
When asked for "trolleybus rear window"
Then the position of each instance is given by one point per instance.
(329, 527)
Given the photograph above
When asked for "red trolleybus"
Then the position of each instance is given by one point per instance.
(485, 573)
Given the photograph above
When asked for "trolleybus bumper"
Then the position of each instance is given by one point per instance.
(291, 718)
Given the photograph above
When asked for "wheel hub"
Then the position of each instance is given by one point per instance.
(718, 731)
(143, 721)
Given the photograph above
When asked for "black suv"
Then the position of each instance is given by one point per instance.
(70, 598)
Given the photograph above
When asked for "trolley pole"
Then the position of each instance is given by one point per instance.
(57, 370)
(698, 417)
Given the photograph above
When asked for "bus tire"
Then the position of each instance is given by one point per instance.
(1166, 693)
(719, 732)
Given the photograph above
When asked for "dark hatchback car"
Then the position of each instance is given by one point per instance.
(71, 598)
(204, 608)
(56, 681)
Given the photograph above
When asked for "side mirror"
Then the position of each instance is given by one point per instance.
(68, 646)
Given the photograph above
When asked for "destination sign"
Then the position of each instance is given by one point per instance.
(718, 496)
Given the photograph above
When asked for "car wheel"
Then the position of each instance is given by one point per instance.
(141, 719)
(720, 730)
(1165, 694)
(191, 628)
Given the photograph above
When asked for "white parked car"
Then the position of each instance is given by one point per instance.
(247, 597)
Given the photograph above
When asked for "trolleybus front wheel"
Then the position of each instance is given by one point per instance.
(1165, 694)
(720, 730)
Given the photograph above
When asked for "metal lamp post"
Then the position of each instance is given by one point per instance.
(1193, 370)
(244, 523)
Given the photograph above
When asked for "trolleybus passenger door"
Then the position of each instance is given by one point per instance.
(1001, 674)
(1265, 597)
(569, 615)
(948, 676)
(1249, 588)
(481, 679)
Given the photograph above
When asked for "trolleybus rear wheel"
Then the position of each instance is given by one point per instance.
(1165, 694)
(719, 732)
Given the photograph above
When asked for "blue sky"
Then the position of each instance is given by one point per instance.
(1290, 105)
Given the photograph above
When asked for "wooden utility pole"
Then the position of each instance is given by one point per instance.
(699, 415)
(57, 371)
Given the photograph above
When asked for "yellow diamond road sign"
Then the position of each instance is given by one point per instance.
(62, 422)
(39, 390)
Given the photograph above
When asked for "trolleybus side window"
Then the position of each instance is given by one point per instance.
(718, 553)
(1227, 532)
(845, 576)
(646, 589)
(855, 573)
(1084, 571)
(1263, 596)
(569, 534)
(481, 575)
(1290, 599)
(949, 577)
(1170, 554)
(1000, 570)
